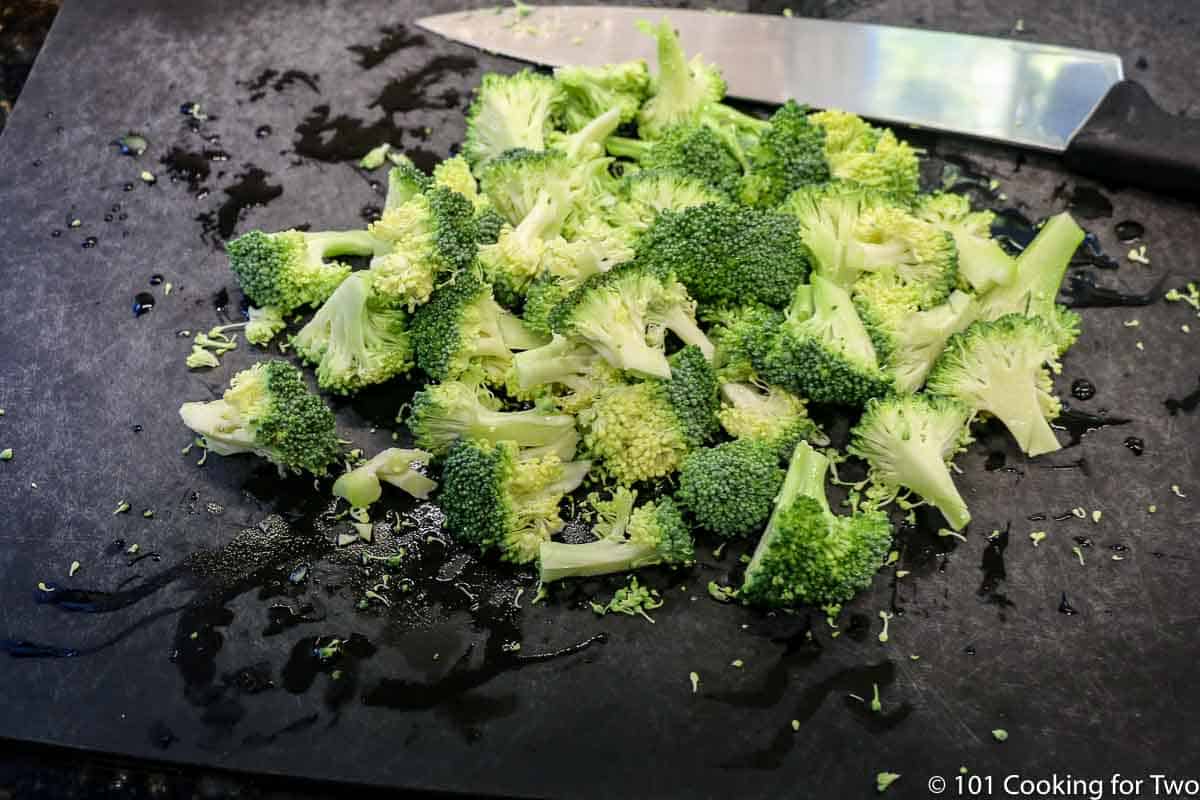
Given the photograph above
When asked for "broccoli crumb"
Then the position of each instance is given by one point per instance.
(1118, 558)
(122, 507)
(1096, 515)
(900, 573)
(1152, 509)
(168, 287)
(1175, 490)
(6, 454)
(133, 549)
(795, 725)
(737, 663)
(1132, 323)
(999, 734)
(633, 599)
(1, 412)
(722, 594)
(148, 513)
(944, 532)
(75, 566)
(883, 634)
(885, 779)
(1138, 255)
(1185, 328)
(1078, 554)
(1036, 537)
(375, 157)
(694, 677)
(787, 12)
(914, 657)
(1139, 346)
(1079, 512)
(44, 587)
(876, 705)
(148, 177)
(963, 770)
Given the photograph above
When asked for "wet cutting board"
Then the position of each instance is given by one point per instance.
(198, 645)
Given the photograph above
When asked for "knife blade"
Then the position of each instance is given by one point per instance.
(1039, 96)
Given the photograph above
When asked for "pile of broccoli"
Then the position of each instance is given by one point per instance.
(628, 285)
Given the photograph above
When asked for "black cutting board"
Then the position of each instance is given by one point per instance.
(91, 392)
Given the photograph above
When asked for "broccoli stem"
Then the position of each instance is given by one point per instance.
(844, 329)
(805, 478)
(927, 475)
(682, 325)
(983, 261)
(1039, 273)
(530, 427)
(516, 335)
(624, 147)
(555, 362)
(601, 557)
(329, 244)
(674, 74)
(594, 133)
(1020, 409)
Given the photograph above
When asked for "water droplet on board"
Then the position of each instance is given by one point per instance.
(143, 302)
(1129, 231)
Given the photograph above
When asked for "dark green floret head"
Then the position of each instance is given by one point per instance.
(729, 489)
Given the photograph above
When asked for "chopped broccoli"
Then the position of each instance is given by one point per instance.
(498, 501)
(1003, 368)
(823, 350)
(488, 224)
(455, 174)
(510, 111)
(1040, 270)
(643, 430)
(267, 410)
(361, 486)
(728, 489)
(463, 333)
(264, 324)
(680, 90)
(562, 361)
(808, 554)
(593, 246)
(405, 181)
(742, 337)
(446, 412)
(727, 253)
(768, 414)
(590, 91)
(646, 193)
(541, 297)
(288, 270)
(789, 154)
(353, 340)
(690, 151)
(429, 236)
(629, 538)
(869, 157)
(520, 254)
(982, 262)
(909, 442)
(587, 143)
(520, 180)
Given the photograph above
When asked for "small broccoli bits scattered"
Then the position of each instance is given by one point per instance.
(631, 600)
(729, 489)
(885, 779)
(268, 410)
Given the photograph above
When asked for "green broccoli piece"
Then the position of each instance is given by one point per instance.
(728, 489)
(590, 91)
(498, 501)
(1004, 368)
(263, 324)
(632, 538)
(288, 270)
(909, 442)
(982, 262)
(405, 181)
(488, 224)
(907, 339)
(1040, 270)
(429, 237)
(509, 112)
(519, 181)
(353, 340)
(680, 90)
(643, 430)
(447, 412)
(742, 337)
(768, 414)
(462, 333)
(789, 154)
(727, 254)
(587, 143)
(690, 151)
(869, 157)
(644, 194)
(593, 247)
(543, 295)
(361, 486)
(455, 174)
(823, 350)
(808, 554)
(520, 254)
(268, 410)
(563, 361)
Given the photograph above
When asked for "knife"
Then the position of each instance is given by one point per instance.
(1064, 100)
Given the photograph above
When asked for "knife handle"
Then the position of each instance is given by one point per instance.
(1131, 140)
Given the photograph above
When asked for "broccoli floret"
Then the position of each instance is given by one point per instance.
(632, 538)
(727, 254)
(728, 489)
(1004, 368)
(789, 154)
(743, 336)
(594, 246)
(808, 554)
(510, 111)
(446, 412)
(646, 193)
(288, 270)
(563, 361)
(909, 442)
(488, 224)
(463, 333)
(405, 181)
(429, 236)
(520, 254)
(692, 151)
(1040, 270)
(622, 313)
(353, 340)
(643, 430)
(267, 410)
(909, 340)
(455, 174)
(587, 142)
(870, 157)
(768, 414)
(263, 324)
(823, 350)
(543, 295)
(519, 180)
(495, 499)
(982, 262)
(590, 91)
(680, 90)
(361, 486)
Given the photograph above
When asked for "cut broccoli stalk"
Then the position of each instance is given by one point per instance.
(267, 410)
(560, 361)
(680, 90)
(808, 554)
(1000, 368)
(405, 182)
(653, 533)
(361, 486)
(909, 442)
(588, 141)
(1039, 274)
(910, 340)
(444, 413)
